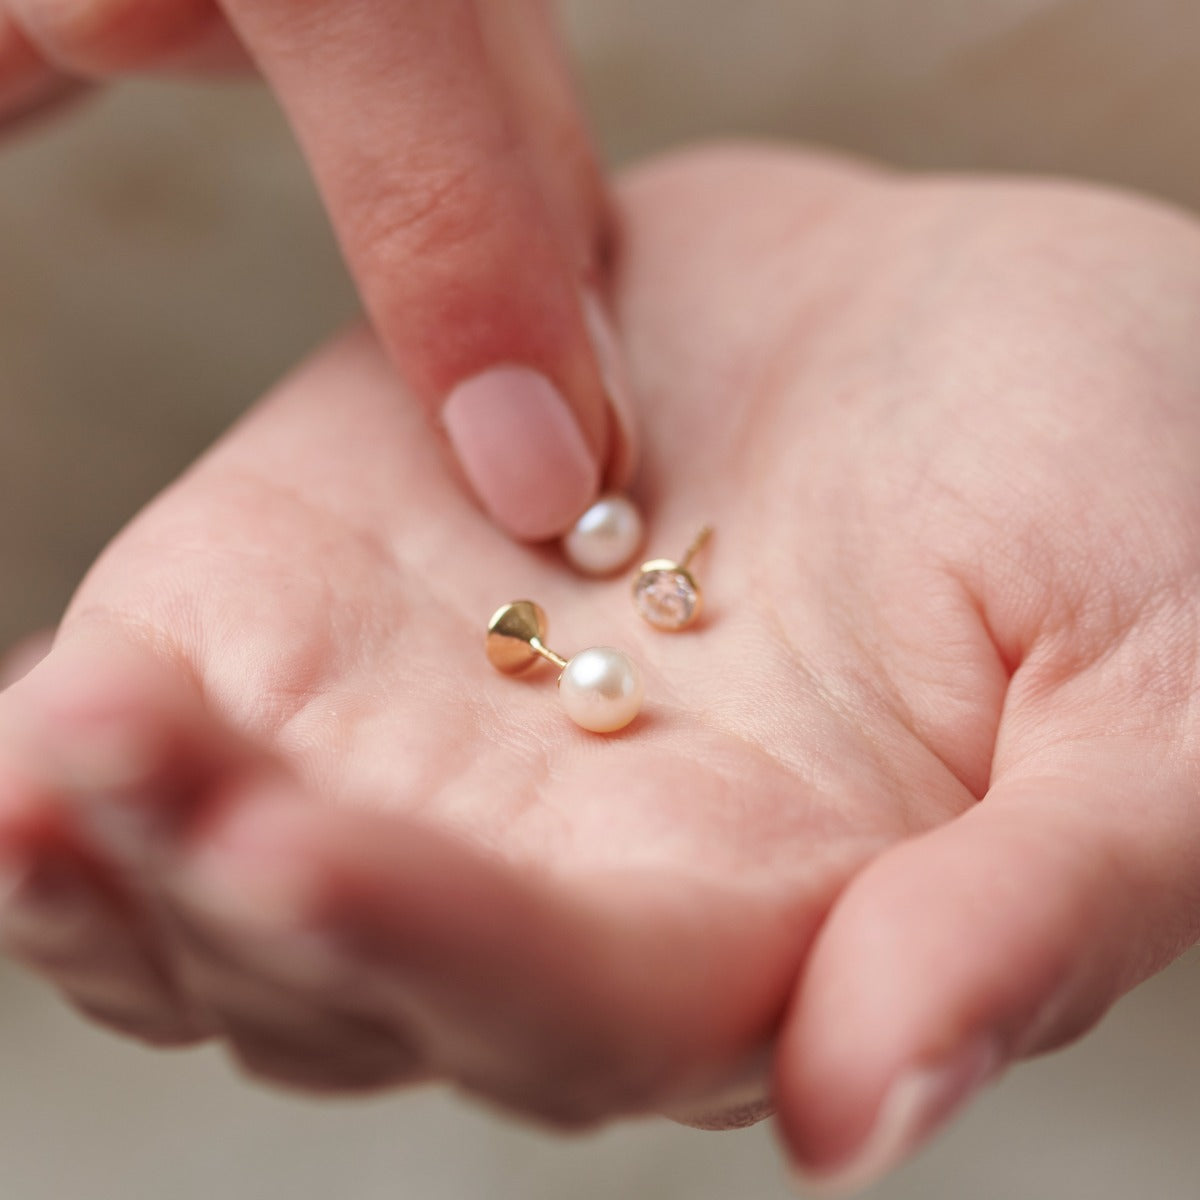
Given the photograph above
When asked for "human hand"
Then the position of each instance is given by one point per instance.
(914, 801)
(460, 179)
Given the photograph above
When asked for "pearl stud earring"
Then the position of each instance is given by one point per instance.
(606, 537)
(600, 688)
(666, 593)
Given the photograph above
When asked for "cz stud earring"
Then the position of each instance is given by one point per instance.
(600, 688)
(606, 537)
(666, 593)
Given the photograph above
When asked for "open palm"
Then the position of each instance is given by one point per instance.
(914, 799)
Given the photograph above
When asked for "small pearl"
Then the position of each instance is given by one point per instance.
(601, 689)
(606, 537)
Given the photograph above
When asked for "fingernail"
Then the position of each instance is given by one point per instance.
(248, 895)
(243, 869)
(919, 1102)
(615, 377)
(521, 450)
(111, 774)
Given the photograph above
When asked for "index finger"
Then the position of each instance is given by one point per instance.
(424, 169)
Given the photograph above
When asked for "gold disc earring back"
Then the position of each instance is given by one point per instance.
(515, 638)
(666, 594)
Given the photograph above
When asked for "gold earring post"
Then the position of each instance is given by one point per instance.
(696, 546)
(539, 647)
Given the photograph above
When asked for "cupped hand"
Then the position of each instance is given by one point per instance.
(459, 175)
(914, 800)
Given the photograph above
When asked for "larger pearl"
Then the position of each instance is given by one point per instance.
(606, 537)
(601, 689)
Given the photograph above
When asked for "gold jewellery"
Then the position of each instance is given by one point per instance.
(600, 688)
(606, 537)
(666, 593)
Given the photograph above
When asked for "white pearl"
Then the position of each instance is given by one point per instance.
(601, 689)
(606, 537)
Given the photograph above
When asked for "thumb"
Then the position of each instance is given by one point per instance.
(1007, 932)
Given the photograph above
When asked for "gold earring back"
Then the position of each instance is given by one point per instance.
(516, 638)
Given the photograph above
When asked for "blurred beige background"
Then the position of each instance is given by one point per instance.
(162, 260)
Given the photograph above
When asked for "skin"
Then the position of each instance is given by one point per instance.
(447, 142)
(923, 779)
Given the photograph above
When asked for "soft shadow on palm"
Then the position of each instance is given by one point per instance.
(848, 378)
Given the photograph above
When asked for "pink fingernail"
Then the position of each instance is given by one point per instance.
(919, 1102)
(522, 451)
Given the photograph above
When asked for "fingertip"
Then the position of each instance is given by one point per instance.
(31, 816)
(945, 959)
(270, 857)
(105, 715)
(915, 1104)
(91, 674)
(24, 656)
(522, 451)
(254, 857)
(119, 741)
(870, 1058)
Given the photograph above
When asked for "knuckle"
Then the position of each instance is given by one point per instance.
(416, 221)
(103, 37)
